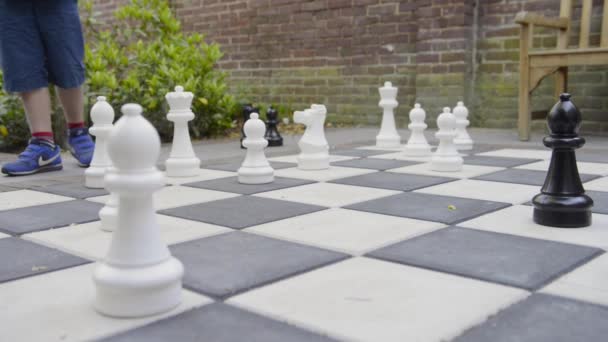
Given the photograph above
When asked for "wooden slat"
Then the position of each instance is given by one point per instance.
(590, 57)
(539, 20)
(564, 12)
(523, 120)
(583, 42)
(604, 40)
(569, 52)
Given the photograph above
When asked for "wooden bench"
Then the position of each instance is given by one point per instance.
(535, 65)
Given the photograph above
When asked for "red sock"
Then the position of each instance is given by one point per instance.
(75, 125)
(48, 136)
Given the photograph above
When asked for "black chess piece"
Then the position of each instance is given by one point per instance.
(562, 201)
(247, 110)
(272, 133)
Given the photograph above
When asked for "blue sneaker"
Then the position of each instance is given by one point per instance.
(39, 156)
(81, 145)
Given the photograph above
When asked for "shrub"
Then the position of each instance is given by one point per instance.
(14, 130)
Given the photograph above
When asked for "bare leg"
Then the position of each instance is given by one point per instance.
(37, 104)
(72, 102)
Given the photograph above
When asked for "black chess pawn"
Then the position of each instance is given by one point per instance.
(247, 110)
(272, 133)
(562, 201)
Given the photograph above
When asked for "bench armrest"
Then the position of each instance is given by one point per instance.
(526, 18)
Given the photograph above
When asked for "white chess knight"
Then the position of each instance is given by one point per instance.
(388, 136)
(417, 146)
(182, 161)
(102, 115)
(138, 277)
(446, 158)
(255, 168)
(314, 149)
(463, 140)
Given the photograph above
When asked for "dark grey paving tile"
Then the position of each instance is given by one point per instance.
(358, 152)
(231, 184)
(218, 322)
(445, 209)
(522, 176)
(497, 161)
(241, 212)
(4, 188)
(234, 166)
(393, 181)
(75, 190)
(374, 164)
(227, 264)
(600, 201)
(500, 258)
(543, 318)
(20, 259)
(41, 217)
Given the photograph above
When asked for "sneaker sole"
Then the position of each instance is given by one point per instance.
(38, 170)
(77, 162)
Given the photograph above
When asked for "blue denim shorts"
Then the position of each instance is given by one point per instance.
(41, 42)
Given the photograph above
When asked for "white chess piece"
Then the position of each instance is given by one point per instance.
(138, 277)
(417, 146)
(109, 213)
(314, 149)
(102, 115)
(255, 168)
(446, 158)
(182, 161)
(463, 140)
(388, 136)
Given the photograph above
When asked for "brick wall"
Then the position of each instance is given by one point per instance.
(338, 52)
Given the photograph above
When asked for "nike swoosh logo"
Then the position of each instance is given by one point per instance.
(43, 162)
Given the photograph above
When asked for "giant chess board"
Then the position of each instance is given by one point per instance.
(377, 248)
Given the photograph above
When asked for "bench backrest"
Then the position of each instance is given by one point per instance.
(587, 9)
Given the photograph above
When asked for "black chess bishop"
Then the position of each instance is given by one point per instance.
(562, 201)
(272, 133)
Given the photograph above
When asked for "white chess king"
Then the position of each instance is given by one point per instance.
(314, 149)
(102, 115)
(255, 168)
(446, 158)
(182, 161)
(138, 277)
(388, 136)
(417, 146)
(463, 140)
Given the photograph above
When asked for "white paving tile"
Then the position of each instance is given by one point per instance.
(293, 158)
(27, 198)
(3, 236)
(517, 220)
(89, 241)
(467, 171)
(204, 174)
(177, 196)
(327, 194)
(57, 306)
(346, 231)
(363, 299)
(518, 153)
(334, 172)
(485, 190)
(583, 167)
(588, 282)
(600, 184)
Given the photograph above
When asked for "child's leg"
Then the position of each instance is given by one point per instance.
(37, 106)
(73, 106)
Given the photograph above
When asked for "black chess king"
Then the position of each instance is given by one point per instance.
(562, 201)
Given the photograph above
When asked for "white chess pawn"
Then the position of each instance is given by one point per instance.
(417, 146)
(255, 168)
(446, 158)
(138, 277)
(463, 140)
(182, 161)
(388, 136)
(102, 115)
(314, 149)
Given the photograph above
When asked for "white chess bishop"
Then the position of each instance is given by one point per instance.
(314, 149)
(182, 161)
(138, 277)
(108, 215)
(463, 140)
(102, 115)
(446, 158)
(388, 136)
(417, 145)
(255, 168)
